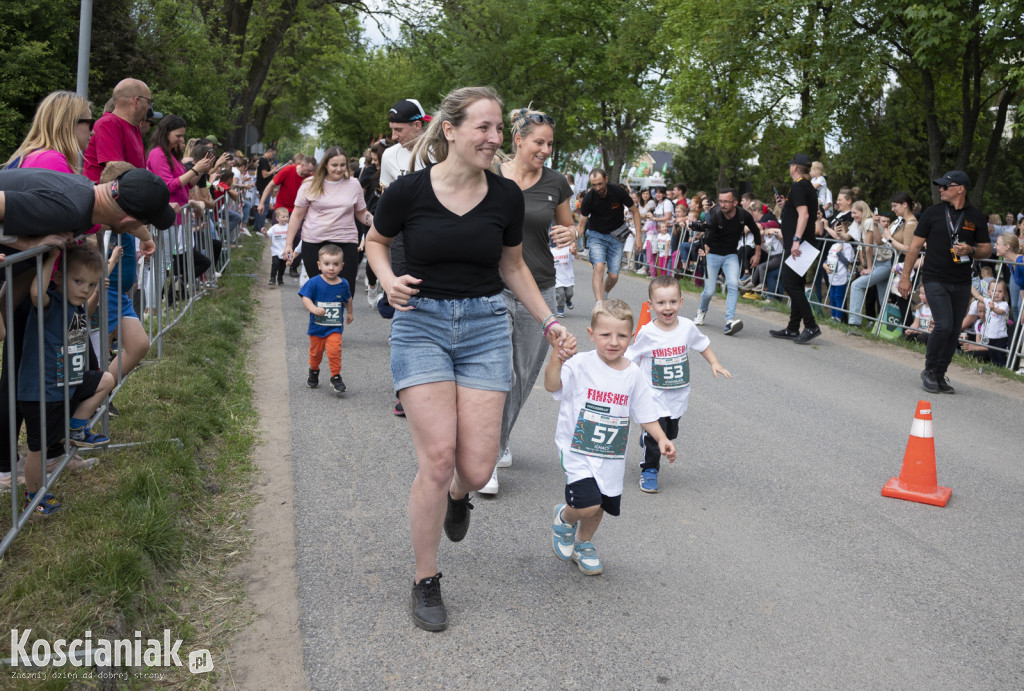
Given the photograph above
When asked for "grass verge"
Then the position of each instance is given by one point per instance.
(146, 539)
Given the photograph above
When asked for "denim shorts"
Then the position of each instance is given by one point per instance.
(463, 340)
(604, 249)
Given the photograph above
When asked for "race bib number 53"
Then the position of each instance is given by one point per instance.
(670, 372)
(600, 435)
(333, 315)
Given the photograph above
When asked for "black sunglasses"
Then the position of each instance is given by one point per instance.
(539, 118)
(952, 184)
(90, 121)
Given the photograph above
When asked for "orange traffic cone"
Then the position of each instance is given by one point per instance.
(645, 317)
(918, 480)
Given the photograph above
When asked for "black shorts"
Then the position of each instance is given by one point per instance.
(585, 493)
(56, 425)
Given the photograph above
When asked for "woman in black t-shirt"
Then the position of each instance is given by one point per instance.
(450, 346)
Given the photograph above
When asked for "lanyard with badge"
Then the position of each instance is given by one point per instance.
(954, 232)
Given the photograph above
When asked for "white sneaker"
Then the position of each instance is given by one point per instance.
(492, 485)
(699, 319)
(371, 298)
(732, 327)
(641, 271)
(505, 459)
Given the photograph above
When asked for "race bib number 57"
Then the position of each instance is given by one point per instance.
(600, 435)
(670, 372)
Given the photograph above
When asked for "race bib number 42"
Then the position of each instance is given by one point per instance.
(600, 435)
(333, 315)
(670, 372)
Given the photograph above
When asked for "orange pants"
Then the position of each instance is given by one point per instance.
(317, 344)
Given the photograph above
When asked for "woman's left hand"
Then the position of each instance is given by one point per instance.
(562, 235)
(559, 337)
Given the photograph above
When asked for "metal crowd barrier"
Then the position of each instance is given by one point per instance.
(166, 290)
(819, 298)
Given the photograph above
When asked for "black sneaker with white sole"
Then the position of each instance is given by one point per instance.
(338, 384)
(313, 380)
(807, 335)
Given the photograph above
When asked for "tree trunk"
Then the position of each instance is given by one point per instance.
(970, 94)
(994, 139)
(934, 133)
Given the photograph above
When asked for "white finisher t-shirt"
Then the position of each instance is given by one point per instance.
(394, 163)
(596, 402)
(565, 274)
(664, 359)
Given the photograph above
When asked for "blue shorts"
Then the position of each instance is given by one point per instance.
(604, 249)
(124, 300)
(462, 340)
(585, 493)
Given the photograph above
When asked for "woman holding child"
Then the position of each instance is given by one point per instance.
(326, 208)
(451, 352)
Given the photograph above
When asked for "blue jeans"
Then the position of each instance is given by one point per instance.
(730, 264)
(604, 249)
(879, 276)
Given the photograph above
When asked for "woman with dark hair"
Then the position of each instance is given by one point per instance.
(326, 208)
(451, 352)
(899, 234)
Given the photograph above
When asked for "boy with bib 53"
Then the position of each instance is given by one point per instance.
(598, 391)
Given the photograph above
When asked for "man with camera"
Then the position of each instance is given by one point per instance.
(955, 232)
(720, 249)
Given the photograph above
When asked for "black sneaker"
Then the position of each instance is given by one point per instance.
(943, 383)
(788, 334)
(313, 380)
(293, 271)
(280, 282)
(428, 610)
(112, 411)
(338, 384)
(456, 520)
(271, 283)
(808, 335)
(929, 382)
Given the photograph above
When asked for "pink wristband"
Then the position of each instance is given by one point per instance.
(548, 327)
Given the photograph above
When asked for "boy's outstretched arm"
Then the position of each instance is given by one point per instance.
(716, 367)
(43, 301)
(553, 373)
(665, 445)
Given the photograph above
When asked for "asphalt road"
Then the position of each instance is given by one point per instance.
(769, 559)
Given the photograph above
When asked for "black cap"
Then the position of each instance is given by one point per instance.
(144, 196)
(954, 177)
(800, 160)
(407, 110)
(153, 115)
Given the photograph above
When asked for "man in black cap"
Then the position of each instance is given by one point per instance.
(955, 232)
(799, 211)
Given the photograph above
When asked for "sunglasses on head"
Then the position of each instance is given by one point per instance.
(538, 118)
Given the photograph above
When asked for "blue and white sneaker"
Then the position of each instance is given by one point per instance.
(649, 481)
(85, 438)
(565, 535)
(585, 556)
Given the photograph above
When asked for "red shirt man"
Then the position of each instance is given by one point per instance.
(116, 136)
(288, 181)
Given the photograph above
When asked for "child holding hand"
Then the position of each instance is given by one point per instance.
(598, 392)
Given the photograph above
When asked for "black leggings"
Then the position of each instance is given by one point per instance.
(349, 255)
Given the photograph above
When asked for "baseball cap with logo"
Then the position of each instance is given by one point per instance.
(407, 110)
(954, 177)
(144, 196)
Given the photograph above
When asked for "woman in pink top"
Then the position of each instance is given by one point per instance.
(59, 133)
(326, 209)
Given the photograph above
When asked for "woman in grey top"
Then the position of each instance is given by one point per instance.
(548, 197)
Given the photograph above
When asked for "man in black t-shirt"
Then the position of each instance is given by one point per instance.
(602, 217)
(954, 232)
(799, 211)
(721, 245)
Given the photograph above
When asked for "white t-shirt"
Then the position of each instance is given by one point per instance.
(840, 271)
(394, 163)
(564, 272)
(665, 207)
(664, 358)
(855, 232)
(995, 324)
(596, 402)
(824, 195)
(278, 233)
(924, 318)
(664, 244)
